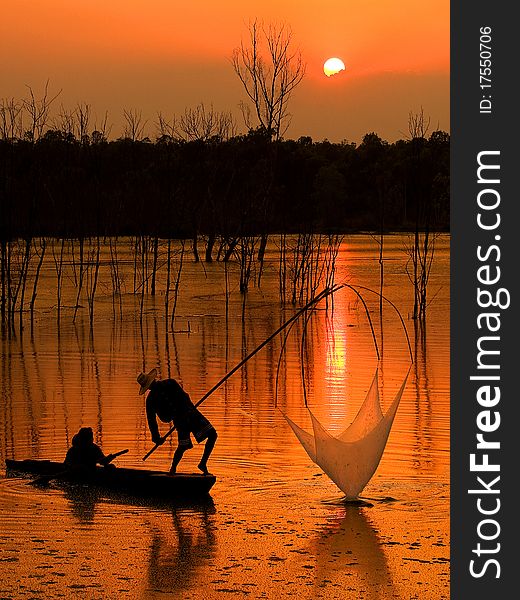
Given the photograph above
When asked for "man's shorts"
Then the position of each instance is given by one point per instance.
(197, 424)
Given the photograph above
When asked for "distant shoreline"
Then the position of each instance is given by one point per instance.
(245, 185)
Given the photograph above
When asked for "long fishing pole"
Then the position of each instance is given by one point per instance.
(323, 294)
(336, 288)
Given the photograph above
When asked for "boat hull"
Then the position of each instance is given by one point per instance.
(139, 482)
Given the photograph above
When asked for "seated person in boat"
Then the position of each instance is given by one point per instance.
(167, 401)
(84, 453)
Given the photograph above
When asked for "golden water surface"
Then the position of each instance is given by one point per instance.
(275, 525)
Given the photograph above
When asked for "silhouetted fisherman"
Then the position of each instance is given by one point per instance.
(167, 401)
(84, 454)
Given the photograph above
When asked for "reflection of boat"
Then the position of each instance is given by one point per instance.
(132, 481)
(85, 499)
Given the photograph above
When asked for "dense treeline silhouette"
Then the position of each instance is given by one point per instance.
(248, 184)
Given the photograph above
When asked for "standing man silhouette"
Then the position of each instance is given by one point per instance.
(167, 401)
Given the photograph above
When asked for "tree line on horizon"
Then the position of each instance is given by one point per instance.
(64, 186)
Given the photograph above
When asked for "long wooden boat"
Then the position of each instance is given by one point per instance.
(139, 482)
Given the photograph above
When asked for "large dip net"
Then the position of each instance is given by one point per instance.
(351, 457)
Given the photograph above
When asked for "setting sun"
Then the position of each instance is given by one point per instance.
(332, 66)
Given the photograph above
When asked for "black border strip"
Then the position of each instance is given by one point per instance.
(472, 132)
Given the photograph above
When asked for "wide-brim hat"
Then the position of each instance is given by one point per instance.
(145, 380)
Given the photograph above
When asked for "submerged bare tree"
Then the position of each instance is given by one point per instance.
(307, 262)
(422, 248)
(16, 258)
(41, 256)
(270, 70)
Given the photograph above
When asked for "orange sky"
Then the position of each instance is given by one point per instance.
(164, 55)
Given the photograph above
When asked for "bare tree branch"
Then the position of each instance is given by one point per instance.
(200, 123)
(418, 124)
(269, 71)
(134, 124)
(166, 129)
(11, 119)
(38, 110)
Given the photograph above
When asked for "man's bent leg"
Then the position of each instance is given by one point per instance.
(184, 443)
(177, 455)
(208, 447)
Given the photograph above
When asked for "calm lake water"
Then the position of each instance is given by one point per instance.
(275, 526)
